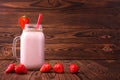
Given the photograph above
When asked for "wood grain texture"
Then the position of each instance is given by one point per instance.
(81, 28)
(63, 35)
(64, 51)
(89, 70)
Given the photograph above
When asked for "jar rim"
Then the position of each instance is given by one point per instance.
(32, 27)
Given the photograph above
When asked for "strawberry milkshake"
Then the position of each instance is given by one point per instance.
(32, 42)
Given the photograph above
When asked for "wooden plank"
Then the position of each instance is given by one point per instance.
(75, 20)
(64, 29)
(113, 70)
(12, 76)
(94, 70)
(64, 51)
(89, 70)
(54, 76)
(36, 75)
(80, 51)
(56, 36)
(82, 40)
(58, 4)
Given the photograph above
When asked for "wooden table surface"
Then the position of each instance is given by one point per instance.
(89, 70)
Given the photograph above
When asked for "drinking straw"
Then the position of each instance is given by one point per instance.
(39, 21)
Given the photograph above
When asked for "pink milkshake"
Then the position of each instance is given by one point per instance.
(32, 42)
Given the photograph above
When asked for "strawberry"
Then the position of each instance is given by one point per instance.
(73, 68)
(45, 68)
(58, 68)
(10, 68)
(20, 69)
(23, 20)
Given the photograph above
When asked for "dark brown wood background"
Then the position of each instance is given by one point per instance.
(74, 29)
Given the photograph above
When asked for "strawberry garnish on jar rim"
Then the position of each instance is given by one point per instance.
(23, 20)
